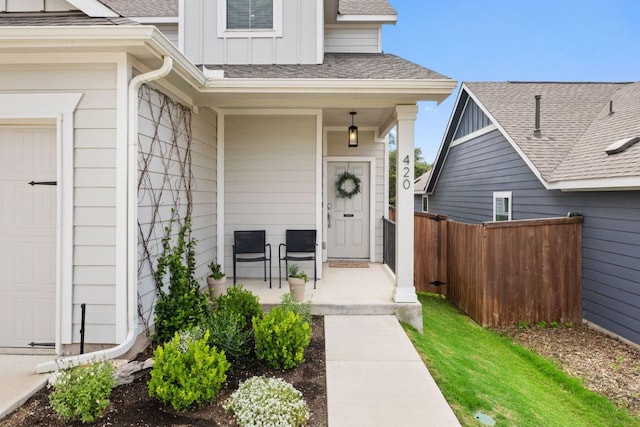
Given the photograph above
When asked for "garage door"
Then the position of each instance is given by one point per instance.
(27, 235)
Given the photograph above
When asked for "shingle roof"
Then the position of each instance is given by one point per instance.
(144, 8)
(420, 183)
(58, 19)
(588, 159)
(336, 66)
(365, 7)
(575, 127)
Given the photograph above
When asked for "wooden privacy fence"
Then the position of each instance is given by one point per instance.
(503, 273)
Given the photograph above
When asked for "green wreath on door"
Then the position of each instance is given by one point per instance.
(347, 185)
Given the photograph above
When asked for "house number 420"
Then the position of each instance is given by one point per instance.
(406, 173)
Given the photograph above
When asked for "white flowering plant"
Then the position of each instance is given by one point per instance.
(267, 402)
(83, 392)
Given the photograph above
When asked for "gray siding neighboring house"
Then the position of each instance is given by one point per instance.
(563, 168)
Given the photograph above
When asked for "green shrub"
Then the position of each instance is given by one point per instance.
(229, 332)
(242, 301)
(184, 306)
(281, 337)
(82, 392)
(261, 401)
(303, 308)
(186, 378)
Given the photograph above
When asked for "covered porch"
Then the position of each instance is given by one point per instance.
(367, 289)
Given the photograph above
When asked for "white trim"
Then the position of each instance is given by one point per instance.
(181, 25)
(372, 196)
(224, 33)
(387, 19)
(502, 195)
(123, 74)
(320, 35)
(598, 184)
(94, 8)
(270, 111)
(155, 19)
(425, 197)
(319, 194)
(220, 188)
(3, 5)
(472, 135)
(61, 108)
(350, 86)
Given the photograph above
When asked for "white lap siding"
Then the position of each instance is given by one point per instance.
(270, 180)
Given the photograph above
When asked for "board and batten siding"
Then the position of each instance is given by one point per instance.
(94, 233)
(203, 168)
(297, 45)
(367, 147)
(352, 39)
(270, 181)
(611, 228)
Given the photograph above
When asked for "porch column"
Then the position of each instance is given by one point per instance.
(405, 292)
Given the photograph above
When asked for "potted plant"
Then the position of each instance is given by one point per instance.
(297, 281)
(216, 280)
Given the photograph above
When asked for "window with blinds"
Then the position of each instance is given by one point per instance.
(249, 14)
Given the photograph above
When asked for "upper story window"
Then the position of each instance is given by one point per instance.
(249, 18)
(502, 206)
(249, 14)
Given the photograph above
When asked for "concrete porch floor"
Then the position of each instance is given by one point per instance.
(355, 291)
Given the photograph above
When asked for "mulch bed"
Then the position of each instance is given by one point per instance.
(132, 406)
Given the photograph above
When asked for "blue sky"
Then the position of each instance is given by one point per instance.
(500, 40)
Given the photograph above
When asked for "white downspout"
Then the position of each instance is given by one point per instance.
(132, 227)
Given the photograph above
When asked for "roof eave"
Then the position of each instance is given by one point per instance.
(384, 19)
(431, 87)
(628, 183)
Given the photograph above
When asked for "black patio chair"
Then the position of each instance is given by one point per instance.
(300, 246)
(251, 243)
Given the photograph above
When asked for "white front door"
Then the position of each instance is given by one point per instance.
(27, 235)
(348, 218)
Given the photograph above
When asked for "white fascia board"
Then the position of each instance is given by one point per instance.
(630, 183)
(513, 144)
(94, 8)
(408, 86)
(155, 19)
(387, 19)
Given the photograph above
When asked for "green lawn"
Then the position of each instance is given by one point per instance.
(479, 370)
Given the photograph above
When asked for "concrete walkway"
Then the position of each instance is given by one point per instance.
(18, 379)
(375, 377)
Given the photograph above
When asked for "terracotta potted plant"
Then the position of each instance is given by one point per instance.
(216, 280)
(297, 281)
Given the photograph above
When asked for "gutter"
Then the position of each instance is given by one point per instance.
(132, 224)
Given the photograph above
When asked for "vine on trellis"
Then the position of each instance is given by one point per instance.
(165, 180)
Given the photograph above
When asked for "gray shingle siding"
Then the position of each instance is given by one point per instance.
(611, 228)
